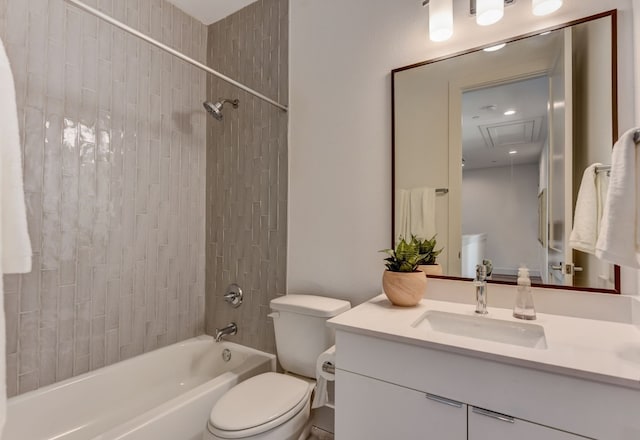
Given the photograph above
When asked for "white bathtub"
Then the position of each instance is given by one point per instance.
(165, 394)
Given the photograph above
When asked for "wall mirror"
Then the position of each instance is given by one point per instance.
(490, 147)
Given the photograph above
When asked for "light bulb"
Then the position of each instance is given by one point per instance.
(544, 7)
(489, 11)
(440, 20)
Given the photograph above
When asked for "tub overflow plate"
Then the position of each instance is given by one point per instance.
(226, 355)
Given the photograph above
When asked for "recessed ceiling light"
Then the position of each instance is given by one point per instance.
(510, 112)
(489, 108)
(513, 152)
(494, 48)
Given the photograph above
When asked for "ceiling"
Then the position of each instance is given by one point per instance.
(488, 135)
(210, 11)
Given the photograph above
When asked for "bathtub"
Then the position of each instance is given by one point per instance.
(166, 394)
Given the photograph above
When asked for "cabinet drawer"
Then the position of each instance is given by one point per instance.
(370, 409)
(488, 425)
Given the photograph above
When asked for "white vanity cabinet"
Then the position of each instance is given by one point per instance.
(388, 389)
(374, 409)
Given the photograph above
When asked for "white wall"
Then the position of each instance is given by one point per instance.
(512, 237)
(341, 56)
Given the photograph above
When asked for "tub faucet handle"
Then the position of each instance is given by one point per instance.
(234, 295)
(230, 330)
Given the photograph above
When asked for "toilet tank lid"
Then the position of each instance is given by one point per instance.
(311, 305)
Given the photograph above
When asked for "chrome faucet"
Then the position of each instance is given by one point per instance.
(481, 289)
(230, 330)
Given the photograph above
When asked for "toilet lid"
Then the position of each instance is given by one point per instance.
(257, 401)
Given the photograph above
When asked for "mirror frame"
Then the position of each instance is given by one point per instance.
(614, 120)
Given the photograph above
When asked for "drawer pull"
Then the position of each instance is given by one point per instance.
(443, 400)
(493, 415)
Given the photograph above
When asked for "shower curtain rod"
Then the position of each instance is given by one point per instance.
(172, 51)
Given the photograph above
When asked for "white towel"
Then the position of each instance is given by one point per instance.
(589, 208)
(15, 247)
(619, 238)
(416, 213)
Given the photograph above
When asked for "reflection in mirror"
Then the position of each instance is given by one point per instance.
(490, 149)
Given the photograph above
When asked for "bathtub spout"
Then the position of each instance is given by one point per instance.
(230, 330)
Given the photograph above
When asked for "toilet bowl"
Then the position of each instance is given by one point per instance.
(270, 406)
(276, 406)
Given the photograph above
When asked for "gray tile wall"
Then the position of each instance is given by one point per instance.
(114, 146)
(247, 170)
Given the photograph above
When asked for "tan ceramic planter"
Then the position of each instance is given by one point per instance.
(431, 269)
(404, 289)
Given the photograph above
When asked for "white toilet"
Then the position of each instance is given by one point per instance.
(274, 406)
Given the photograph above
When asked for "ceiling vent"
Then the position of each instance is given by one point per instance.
(508, 134)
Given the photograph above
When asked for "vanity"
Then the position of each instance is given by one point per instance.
(438, 371)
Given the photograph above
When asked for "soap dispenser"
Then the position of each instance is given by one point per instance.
(524, 309)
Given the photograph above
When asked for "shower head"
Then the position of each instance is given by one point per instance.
(215, 110)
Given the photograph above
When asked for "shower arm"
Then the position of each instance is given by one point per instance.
(233, 102)
(172, 51)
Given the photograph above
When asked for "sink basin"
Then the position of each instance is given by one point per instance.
(481, 327)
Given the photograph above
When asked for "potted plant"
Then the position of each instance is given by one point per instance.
(402, 282)
(428, 264)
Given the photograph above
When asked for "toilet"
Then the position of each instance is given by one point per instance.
(276, 406)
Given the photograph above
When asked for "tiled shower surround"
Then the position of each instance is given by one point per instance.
(247, 170)
(114, 145)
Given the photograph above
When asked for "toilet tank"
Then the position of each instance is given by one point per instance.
(301, 332)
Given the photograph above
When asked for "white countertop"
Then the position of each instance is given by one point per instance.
(598, 350)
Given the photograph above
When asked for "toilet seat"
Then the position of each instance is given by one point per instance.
(267, 401)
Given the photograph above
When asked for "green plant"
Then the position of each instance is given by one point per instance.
(426, 248)
(404, 258)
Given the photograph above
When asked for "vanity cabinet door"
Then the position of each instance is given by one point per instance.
(487, 425)
(369, 409)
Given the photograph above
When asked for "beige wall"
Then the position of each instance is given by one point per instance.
(592, 137)
(114, 146)
(247, 171)
(422, 142)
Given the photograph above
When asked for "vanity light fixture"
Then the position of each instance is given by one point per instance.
(440, 19)
(545, 7)
(510, 112)
(494, 48)
(487, 12)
